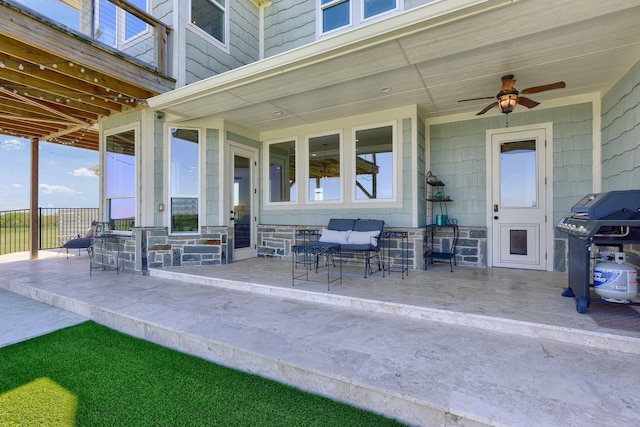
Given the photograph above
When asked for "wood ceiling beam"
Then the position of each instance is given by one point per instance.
(73, 108)
(65, 132)
(97, 83)
(13, 106)
(36, 126)
(35, 120)
(44, 107)
(56, 90)
(29, 130)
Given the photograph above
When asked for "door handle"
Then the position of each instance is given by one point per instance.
(495, 217)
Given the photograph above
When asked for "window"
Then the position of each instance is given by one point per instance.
(120, 179)
(209, 16)
(335, 14)
(338, 14)
(324, 167)
(116, 26)
(374, 163)
(184, 180)
(282, 172)
(377, 7)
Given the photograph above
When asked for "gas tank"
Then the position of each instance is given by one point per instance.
(615, 281)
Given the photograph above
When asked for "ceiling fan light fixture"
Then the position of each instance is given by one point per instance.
(507, 101)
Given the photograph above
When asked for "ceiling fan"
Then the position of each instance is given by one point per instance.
(509, 96)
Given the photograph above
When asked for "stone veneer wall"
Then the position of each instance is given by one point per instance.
(471, 250)
(152, 247)
(275, 241)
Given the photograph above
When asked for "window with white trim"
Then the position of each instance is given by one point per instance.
(282, 172)
(374, 163)
(120, 179)
(184, 177)
(339, 14)
(324, 168)
(210, 17)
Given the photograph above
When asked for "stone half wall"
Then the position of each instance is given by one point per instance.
(471, 250)
(275, 241)
(152, 247)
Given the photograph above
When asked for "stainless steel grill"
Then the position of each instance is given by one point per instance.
(603, 219)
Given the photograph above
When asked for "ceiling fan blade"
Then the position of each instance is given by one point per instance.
(550, 86)
(529, 103)
(476, 99)
(487, 108)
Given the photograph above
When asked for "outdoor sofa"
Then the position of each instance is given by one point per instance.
(356, 236)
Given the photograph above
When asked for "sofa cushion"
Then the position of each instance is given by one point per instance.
(368, 225)
(363, 238)
(79, 243)
(335, 236)
(341, 224)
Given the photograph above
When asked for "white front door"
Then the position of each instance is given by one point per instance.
(518, 199)
(242, 201)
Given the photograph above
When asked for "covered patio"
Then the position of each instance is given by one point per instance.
(478, 346)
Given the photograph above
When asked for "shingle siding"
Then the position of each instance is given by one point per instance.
(288, 24)
(206, 58)
(621, 134)
(458, 157)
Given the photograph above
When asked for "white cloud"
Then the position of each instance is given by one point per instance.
(59, 189)
(84, 172)
(12, 144)
(16, 185)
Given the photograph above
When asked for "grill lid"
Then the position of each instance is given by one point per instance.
(614, 205)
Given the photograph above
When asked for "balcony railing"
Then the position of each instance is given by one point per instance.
(119, 24)
(56, 226)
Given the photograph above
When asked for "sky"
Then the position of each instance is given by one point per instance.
(66, 178)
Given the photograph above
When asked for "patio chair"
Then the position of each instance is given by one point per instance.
(81, 242)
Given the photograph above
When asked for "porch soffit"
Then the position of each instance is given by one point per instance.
(56, 84)
(428, 57)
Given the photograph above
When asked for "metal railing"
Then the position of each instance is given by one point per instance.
(56, 226)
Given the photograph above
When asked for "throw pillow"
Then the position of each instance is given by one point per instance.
(363, 238)
(333, 236)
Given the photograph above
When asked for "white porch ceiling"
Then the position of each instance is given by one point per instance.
(431, 61)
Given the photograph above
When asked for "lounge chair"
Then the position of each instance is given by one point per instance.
(80, 242)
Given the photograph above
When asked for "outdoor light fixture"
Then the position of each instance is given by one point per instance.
(507, 101)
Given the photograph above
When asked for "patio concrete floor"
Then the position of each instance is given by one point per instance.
(473, 347)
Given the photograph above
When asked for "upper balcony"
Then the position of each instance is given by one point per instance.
(72, 63)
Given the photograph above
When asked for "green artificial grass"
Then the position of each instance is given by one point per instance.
(106, 378)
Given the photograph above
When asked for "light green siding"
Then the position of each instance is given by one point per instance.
(572, 157)
(621, 134)
(288, 24)
(458, 158)
(205, 57)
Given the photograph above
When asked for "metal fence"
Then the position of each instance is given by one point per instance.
(56, 226)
